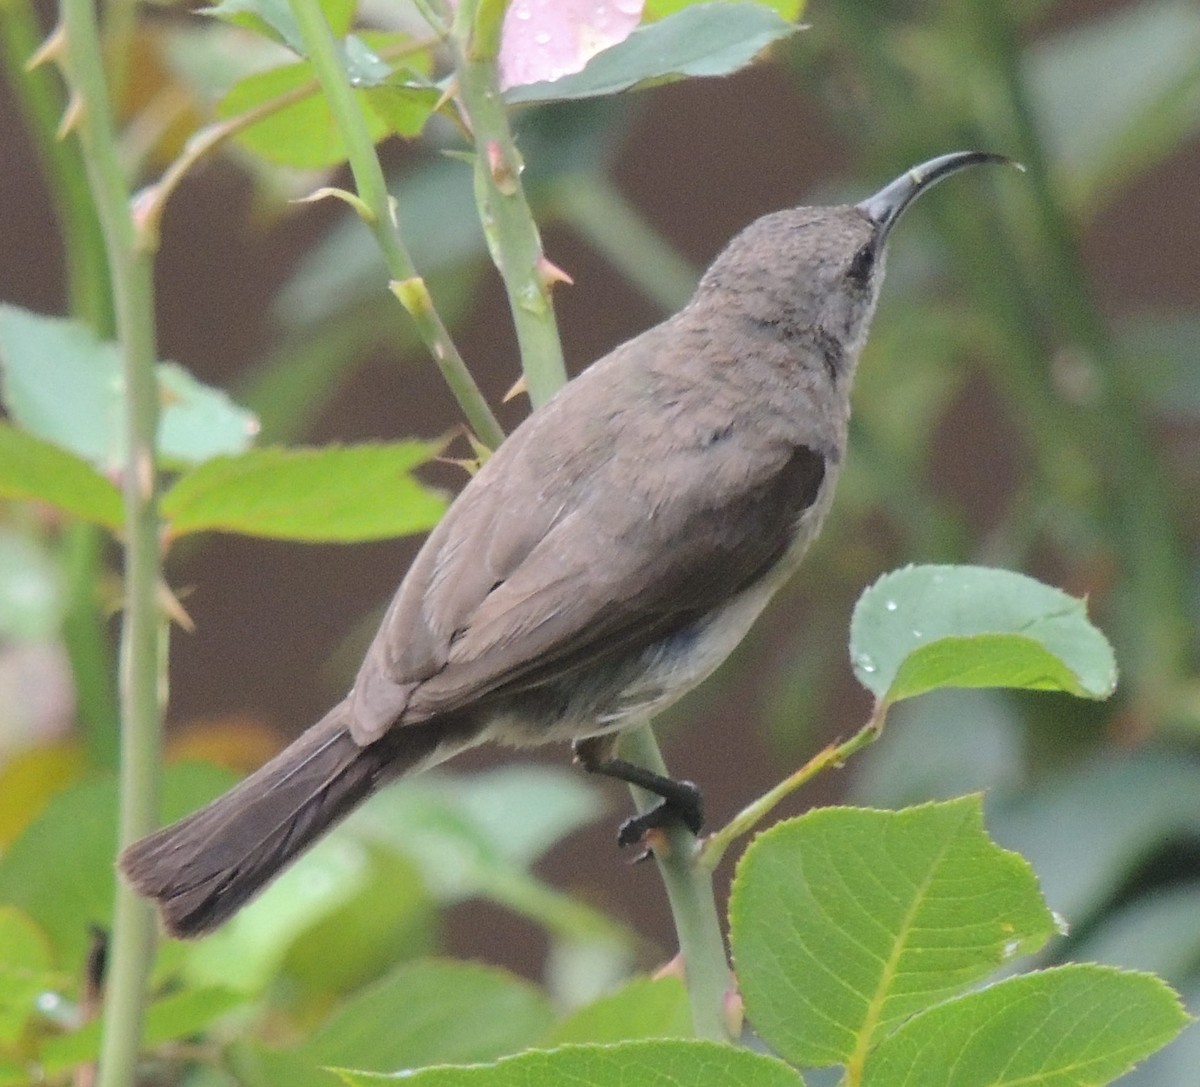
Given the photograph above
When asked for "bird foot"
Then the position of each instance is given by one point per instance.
(684, 804)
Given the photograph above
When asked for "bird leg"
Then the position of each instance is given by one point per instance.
(680, 799)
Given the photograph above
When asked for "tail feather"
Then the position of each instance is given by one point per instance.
(202, 869)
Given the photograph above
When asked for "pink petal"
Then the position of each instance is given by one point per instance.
(547, 39)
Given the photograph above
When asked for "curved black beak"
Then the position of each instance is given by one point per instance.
(887, 205)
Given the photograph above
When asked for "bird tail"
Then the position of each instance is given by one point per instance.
(202, 869)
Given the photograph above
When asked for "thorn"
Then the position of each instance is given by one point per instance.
(519, 388)
(482, 450)
(448, 93)
(502, 172)
(468, 464)
(353, 199)
(146, 209)
(675, 968)
(549, 273)
(72, 116)
(53, 49)
(173, 609)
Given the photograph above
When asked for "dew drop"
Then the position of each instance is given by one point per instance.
(917, 633)
(542, 37)
(865, 663)
(1011, 948)
(522, 12)
(1061, 925)
(891, 605)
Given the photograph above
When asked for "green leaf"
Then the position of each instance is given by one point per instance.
(643, 1008)
(60, 870)
(390, 918)
(926, 627)
(477, 835)
(273, 18)
(303, 133)
(469, 834)
(846, 921)
(363, 64)
(13, 1073)
(1074, 1025)
(705, 40)
(64, 385)
(667, 1063)
(403, 107)
(32, 468)
(343, 494)
(463, 1012)
(175, 1016)
(25, 971)
(198, 421)
(327, 885)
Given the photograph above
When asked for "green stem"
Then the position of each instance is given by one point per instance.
(86, 639)
(832, 756)
(142, 662)
(508, 224)
(378, 213)
(693, 903)
(516, 249)
(39, 96)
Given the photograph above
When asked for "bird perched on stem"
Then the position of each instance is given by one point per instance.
(605, 560)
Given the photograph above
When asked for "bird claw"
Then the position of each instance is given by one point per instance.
(684, 805)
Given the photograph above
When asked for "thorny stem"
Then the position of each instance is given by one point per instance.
(143, 672)
(508, 223)
(379, 215)
(516, 249)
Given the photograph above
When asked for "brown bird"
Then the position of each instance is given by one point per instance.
(604, 561)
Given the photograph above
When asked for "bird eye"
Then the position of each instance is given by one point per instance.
(862, 265)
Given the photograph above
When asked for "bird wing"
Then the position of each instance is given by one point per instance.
(617, 552)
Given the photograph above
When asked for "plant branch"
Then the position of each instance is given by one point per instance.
(693, 904)
(508, 224)
(375, 207)
(832, 756)
(142, 675)
(516, 249)
(153, 199)
(40, 97)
